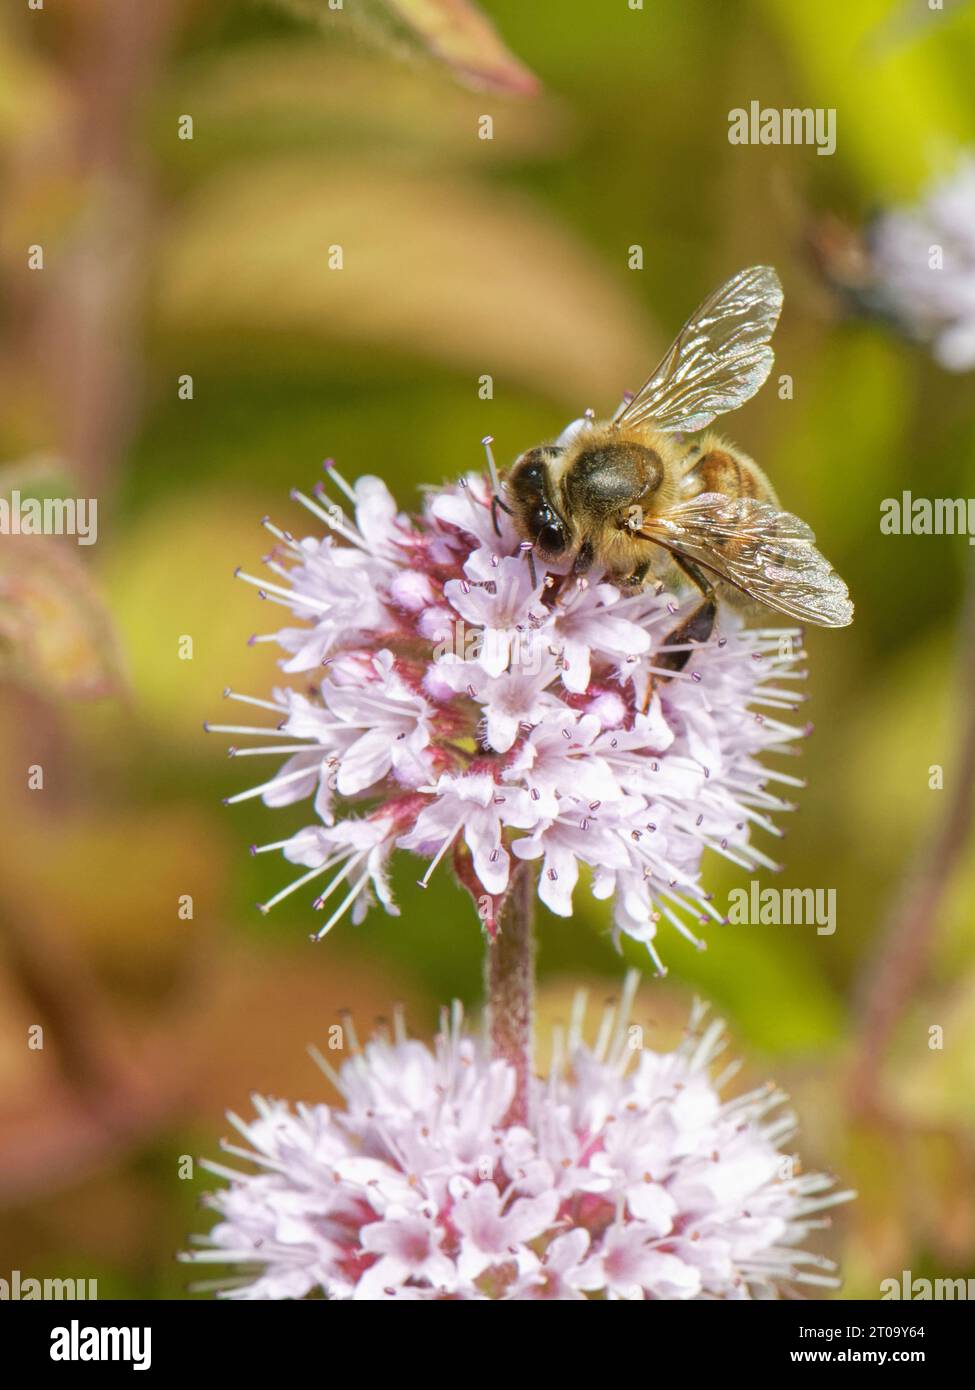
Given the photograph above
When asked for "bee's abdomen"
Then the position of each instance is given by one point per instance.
(725, 470)
(608, 476)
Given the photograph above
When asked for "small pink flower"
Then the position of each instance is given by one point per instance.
(491, 1234)
(629, 1262)
(478, 809)
(556, 1277)
(409, 1249)
(585, 624)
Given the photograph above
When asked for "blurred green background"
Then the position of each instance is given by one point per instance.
(462, 257)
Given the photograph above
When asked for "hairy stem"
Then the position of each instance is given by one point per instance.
(510, 987)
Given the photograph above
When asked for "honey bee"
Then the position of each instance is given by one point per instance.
(621, 495)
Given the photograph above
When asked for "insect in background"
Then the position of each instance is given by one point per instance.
(619, 495)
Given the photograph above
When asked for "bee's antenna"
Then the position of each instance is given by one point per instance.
(487, 441)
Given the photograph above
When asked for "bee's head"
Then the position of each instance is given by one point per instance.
(532, 489)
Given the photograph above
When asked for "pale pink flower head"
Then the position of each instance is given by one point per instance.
(633, 1179)
(444, 695)
(922, 258)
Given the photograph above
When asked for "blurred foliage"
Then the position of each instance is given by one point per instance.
(454, 31)
(462, 257)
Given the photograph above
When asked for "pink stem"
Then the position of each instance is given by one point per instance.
(893, 973)
(510, 986)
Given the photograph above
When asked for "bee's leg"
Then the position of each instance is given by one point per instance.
(495, 504)
(695, 629)
(584, 558)
(635, 580)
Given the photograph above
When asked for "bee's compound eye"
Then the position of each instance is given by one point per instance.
(528, 473)
(549, 531)
(552, 539)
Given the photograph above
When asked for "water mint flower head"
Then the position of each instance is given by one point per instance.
(632, 1179)
(441, 694)
(923, 262)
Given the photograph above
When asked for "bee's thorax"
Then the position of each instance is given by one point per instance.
(604, 477)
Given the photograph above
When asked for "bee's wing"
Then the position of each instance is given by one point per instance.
(718, 360)
(765, 553)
